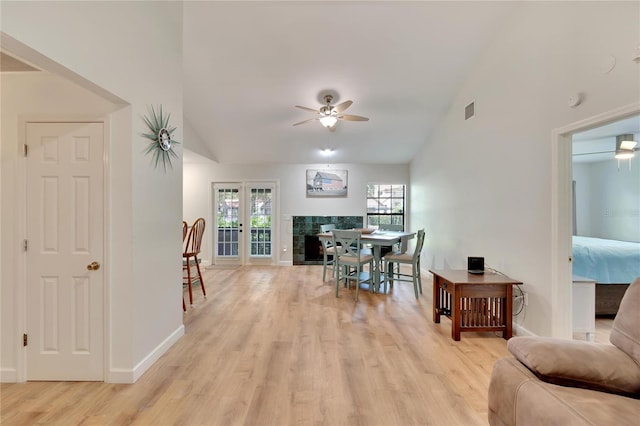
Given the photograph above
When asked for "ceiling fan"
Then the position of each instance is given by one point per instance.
(329, 115)
(625, 148)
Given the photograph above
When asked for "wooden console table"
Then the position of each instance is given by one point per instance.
(473, 302)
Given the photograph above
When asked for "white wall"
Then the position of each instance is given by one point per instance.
(611, 197)
(482, 187)
(198, 179)
(92, 41)
(193, 143)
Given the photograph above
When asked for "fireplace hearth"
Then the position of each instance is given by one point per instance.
(313, 250)
(307, 248)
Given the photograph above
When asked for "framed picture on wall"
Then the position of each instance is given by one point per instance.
(326, 183)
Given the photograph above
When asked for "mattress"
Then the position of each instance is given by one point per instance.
(606, 261)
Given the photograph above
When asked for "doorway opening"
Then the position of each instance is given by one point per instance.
(562, 213)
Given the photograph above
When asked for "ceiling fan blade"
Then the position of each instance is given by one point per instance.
(591, 153)
(307, 109)
(342, 106)
(306, 121)
(348, 117)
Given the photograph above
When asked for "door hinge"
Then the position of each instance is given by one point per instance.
(25, 245)
(25, 339)
(25, 149)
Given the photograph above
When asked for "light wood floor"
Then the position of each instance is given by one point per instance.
(274, 346)
(603, 330)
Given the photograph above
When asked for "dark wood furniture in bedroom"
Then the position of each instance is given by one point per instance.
(608, 297)
(473, 302)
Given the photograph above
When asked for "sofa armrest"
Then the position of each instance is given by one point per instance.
(518, 397)
(507, 377)
(581, 364)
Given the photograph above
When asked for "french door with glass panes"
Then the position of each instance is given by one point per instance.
(244, 222)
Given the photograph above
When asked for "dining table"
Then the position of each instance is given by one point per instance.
(378, 239)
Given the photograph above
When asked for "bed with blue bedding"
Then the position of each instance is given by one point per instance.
(612, 264)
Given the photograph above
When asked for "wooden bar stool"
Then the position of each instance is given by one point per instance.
(190, 257)
(185, 229)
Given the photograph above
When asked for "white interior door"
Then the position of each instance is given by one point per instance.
(64, 276)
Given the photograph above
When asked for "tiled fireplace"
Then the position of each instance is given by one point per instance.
(307, 249)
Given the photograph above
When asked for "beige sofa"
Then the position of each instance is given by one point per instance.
(566, 382)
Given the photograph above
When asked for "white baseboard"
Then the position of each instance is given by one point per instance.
(519, 330)
(122, 375)
(8, 375)
(286, 263)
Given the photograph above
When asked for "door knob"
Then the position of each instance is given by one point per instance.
(93, 266)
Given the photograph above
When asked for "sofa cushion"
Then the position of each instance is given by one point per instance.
(518, 397)
(577, 363)
(625, 333)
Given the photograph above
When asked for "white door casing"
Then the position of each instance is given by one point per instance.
(64, 229)
(561, 213)
(244, 223)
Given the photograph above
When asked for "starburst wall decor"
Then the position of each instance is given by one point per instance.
(160, 135)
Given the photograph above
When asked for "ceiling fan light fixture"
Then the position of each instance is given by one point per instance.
(625, 147)
(624, 154)
(328, 121)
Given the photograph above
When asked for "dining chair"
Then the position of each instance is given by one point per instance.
(185, 228)
(328, 251)
(190, 257)
(412, 259)
(399, 247)
(350, 259)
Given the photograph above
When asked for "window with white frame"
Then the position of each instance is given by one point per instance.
(385, 205)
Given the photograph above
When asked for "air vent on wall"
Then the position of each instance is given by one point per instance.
(470, 110)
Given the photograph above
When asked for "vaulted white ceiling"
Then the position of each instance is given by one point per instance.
(247, 64)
